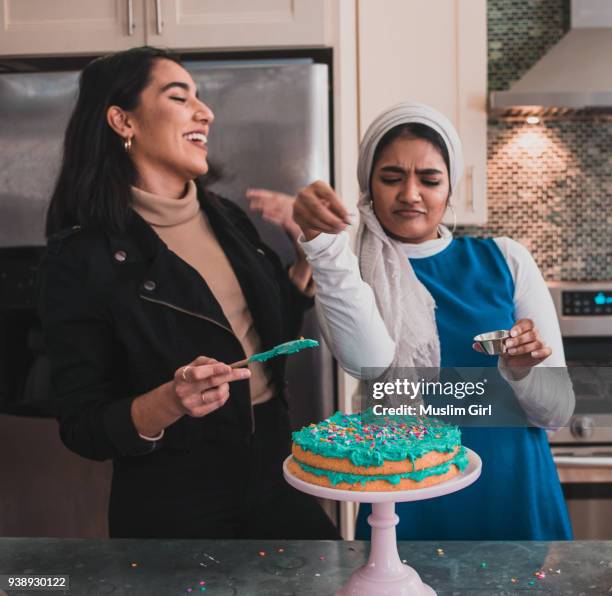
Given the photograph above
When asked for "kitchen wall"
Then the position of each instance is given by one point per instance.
(550, 184)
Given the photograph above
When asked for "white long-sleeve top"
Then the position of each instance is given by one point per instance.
(357, 336)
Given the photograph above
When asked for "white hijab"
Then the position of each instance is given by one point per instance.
(405, 304)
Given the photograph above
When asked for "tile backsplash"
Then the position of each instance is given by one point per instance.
(550, 184)
(520, 32)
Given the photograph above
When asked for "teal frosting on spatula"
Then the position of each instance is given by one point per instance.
(289, 347)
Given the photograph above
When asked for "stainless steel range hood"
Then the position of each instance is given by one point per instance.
(574, 77)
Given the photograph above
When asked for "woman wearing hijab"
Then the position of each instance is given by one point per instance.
(150, 286)
(414, 296)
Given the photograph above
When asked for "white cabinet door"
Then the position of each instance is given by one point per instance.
(38, 27)
(433, 52)
(471, 119)
(206, 24)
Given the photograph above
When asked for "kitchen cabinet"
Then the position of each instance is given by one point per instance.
(41, 27)
(237, 24)
(436, 53)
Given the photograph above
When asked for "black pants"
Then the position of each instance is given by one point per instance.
(274, 508)
(223, 490)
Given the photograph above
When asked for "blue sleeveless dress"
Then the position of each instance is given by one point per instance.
(518, 496)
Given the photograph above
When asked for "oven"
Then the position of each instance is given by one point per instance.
(24, 376)
(583, 450)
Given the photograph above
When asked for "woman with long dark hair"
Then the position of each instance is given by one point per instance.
(149, 286)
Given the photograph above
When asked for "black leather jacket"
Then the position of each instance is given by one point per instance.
(121, 312)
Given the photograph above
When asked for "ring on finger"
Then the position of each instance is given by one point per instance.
(207, 399)
(184, 373)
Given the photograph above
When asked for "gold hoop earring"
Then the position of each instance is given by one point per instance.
(127, 144)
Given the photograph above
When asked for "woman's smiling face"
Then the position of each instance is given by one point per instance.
(170, 127)
(410, 189)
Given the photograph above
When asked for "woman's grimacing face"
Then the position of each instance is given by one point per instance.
(410, 189)
(170, 126)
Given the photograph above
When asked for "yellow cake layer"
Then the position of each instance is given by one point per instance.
(335, 464)
(371, 485)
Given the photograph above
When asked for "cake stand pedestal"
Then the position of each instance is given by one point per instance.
(384, 574)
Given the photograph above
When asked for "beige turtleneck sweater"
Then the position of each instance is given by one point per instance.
(184, 227)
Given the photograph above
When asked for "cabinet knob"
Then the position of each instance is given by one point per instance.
(158, 17)
(130, 14)
(469, 188)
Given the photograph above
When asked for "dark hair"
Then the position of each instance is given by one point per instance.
(93, 185)
(419, 131)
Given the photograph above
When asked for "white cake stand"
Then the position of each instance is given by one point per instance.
(384, 574)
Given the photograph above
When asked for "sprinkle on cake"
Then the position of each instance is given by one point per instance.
(363, 452)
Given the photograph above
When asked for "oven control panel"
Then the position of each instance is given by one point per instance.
(586, 303)
(584, 308)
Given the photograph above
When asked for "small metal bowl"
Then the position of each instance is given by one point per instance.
(493, 342)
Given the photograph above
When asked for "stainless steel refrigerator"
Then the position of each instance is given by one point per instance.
(271, 130)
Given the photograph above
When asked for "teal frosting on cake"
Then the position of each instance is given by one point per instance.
(368, 441)
(460, 460)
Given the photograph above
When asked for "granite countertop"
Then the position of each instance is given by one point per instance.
(227, 567)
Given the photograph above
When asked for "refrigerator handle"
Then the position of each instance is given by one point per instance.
(158, 17)
(130, 15)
